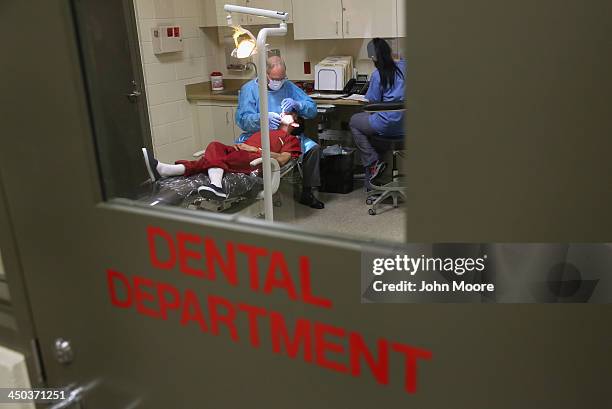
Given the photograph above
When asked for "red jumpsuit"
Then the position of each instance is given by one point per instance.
(219, 155)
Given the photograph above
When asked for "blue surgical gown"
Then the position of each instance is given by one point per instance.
(247, 114)
(389, 124)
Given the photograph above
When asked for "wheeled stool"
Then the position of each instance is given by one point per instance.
(393, 189)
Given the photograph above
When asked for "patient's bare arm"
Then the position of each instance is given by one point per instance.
(281, 158)
(245, 147)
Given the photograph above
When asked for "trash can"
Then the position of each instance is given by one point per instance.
(337, 170)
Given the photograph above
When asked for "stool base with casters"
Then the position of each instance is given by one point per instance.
(390, 190)
(393, 189)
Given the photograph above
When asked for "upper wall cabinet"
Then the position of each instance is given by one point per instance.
(277, 5)
(317, 19)
(367, 19)
(329, 19)
(213, 14)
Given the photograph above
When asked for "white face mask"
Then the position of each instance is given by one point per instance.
(275, 85)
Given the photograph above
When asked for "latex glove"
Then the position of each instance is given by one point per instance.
(274, 120)
(289, 104)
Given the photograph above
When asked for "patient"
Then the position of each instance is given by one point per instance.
(219, 158)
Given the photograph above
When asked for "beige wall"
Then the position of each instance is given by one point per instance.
(167, 74)
(172, 124)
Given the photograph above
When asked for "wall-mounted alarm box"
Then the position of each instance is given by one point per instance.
(167, 39)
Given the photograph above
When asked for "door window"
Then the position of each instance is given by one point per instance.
(170, 133)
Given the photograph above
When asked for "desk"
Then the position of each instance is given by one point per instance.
(202, 92)
(339, 102)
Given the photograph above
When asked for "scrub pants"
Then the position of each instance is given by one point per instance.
(218, 155)
(362, 132)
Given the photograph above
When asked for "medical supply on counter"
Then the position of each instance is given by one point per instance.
(216, 81)
(356, 97)
(332, 73)
(321, 95)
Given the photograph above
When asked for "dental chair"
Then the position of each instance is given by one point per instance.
(222, 205)
(278, 173)
(183, 191)
(394, 189)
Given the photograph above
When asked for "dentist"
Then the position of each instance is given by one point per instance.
(283, 96)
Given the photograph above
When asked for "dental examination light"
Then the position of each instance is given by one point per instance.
(245, 47)
(245, 43)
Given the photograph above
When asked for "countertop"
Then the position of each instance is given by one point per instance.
(202, 92)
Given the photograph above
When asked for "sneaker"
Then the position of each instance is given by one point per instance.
(375, 170)
(372, 172)
(210, 191)
(151, 164)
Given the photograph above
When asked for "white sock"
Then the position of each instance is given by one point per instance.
(216, 176)
(166, 169)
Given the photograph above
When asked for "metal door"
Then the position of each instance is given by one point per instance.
(70, 242)
(110, 56)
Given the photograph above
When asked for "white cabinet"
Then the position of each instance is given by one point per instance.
(213, 14)
(367, 19)
(329, 19)
(317, 19)
(208, 16)
(401, 18)
(276, 5)
(216, 122)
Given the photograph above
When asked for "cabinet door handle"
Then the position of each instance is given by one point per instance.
(336, 28)
(347, 27)
(226, 118)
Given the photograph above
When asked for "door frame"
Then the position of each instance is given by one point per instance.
(93, 89)
(519, 344)
(72, 119)
(137, 67)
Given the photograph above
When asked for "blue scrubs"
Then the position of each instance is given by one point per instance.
(247, 114)
(387, 123)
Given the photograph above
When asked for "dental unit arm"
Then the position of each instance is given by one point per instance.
(281, 30)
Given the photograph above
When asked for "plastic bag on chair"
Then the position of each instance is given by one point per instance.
(181, 190)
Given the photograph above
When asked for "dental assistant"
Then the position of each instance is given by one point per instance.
(386, 85)
(283, 96)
